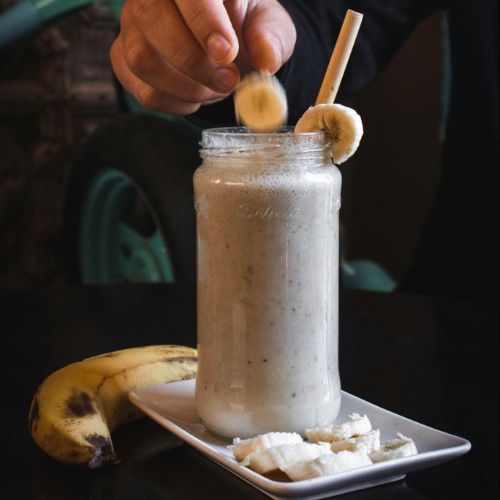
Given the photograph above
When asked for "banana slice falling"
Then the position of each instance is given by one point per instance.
(260, 103)
(343, 124)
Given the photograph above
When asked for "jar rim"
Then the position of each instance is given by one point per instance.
(240, 140)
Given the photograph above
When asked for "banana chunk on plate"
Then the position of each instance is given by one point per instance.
(366, 443)
(356, 426)
(327, 465)
(344, 125)
(274, 458)
(395, 448)
(242, 448)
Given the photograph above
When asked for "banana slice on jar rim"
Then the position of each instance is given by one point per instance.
(260, 103)
(343, 124)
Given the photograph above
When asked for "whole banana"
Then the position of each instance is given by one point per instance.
(76, 408)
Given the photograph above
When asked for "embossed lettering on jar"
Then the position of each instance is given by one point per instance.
(268, 242)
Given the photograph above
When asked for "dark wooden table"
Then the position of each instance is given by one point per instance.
(432, 360)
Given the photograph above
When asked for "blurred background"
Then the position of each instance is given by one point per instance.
(57, 88)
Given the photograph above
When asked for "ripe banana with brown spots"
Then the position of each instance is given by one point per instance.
(76, 408)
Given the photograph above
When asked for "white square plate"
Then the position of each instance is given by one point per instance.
(172, 406)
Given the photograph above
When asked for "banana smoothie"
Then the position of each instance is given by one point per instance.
(268, 224)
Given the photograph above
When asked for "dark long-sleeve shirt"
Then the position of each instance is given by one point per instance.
(458, 250)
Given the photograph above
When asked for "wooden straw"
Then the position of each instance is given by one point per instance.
(340, 57)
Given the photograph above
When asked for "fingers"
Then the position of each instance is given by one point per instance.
(176, 55)
(146, 64)
(164, 28)
(149, 96)
(209, 22)
(269, 35)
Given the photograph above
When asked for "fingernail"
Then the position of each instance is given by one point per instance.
(218, 46)
(225, 79)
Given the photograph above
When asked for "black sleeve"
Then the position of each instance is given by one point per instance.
(386, 24)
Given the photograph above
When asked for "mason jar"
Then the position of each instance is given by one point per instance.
(267, 252)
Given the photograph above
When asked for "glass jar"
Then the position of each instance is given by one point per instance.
(268, 244)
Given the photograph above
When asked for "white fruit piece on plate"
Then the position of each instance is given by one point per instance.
(272, 459)
(367, 443)
(356, 426)
(243, 448)
(343, 124)
(395, 448)
(327, 465)
(260, 103)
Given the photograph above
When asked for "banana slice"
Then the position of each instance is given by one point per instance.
(242, 448)
(343, 124)
(357, 426)
(260, 103)
(396, 448)
(274, 458)
(327, 465)
(367, 443)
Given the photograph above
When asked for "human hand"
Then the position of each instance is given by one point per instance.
(177, 55)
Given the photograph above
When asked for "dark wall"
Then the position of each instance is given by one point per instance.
(55, 89)
(390, 183)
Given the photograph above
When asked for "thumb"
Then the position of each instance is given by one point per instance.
(269, 35)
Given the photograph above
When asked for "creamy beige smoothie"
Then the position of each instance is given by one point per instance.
(267, 286)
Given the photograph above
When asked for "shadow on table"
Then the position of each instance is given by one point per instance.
(155, 465)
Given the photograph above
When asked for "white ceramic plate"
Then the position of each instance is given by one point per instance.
(172, 406)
